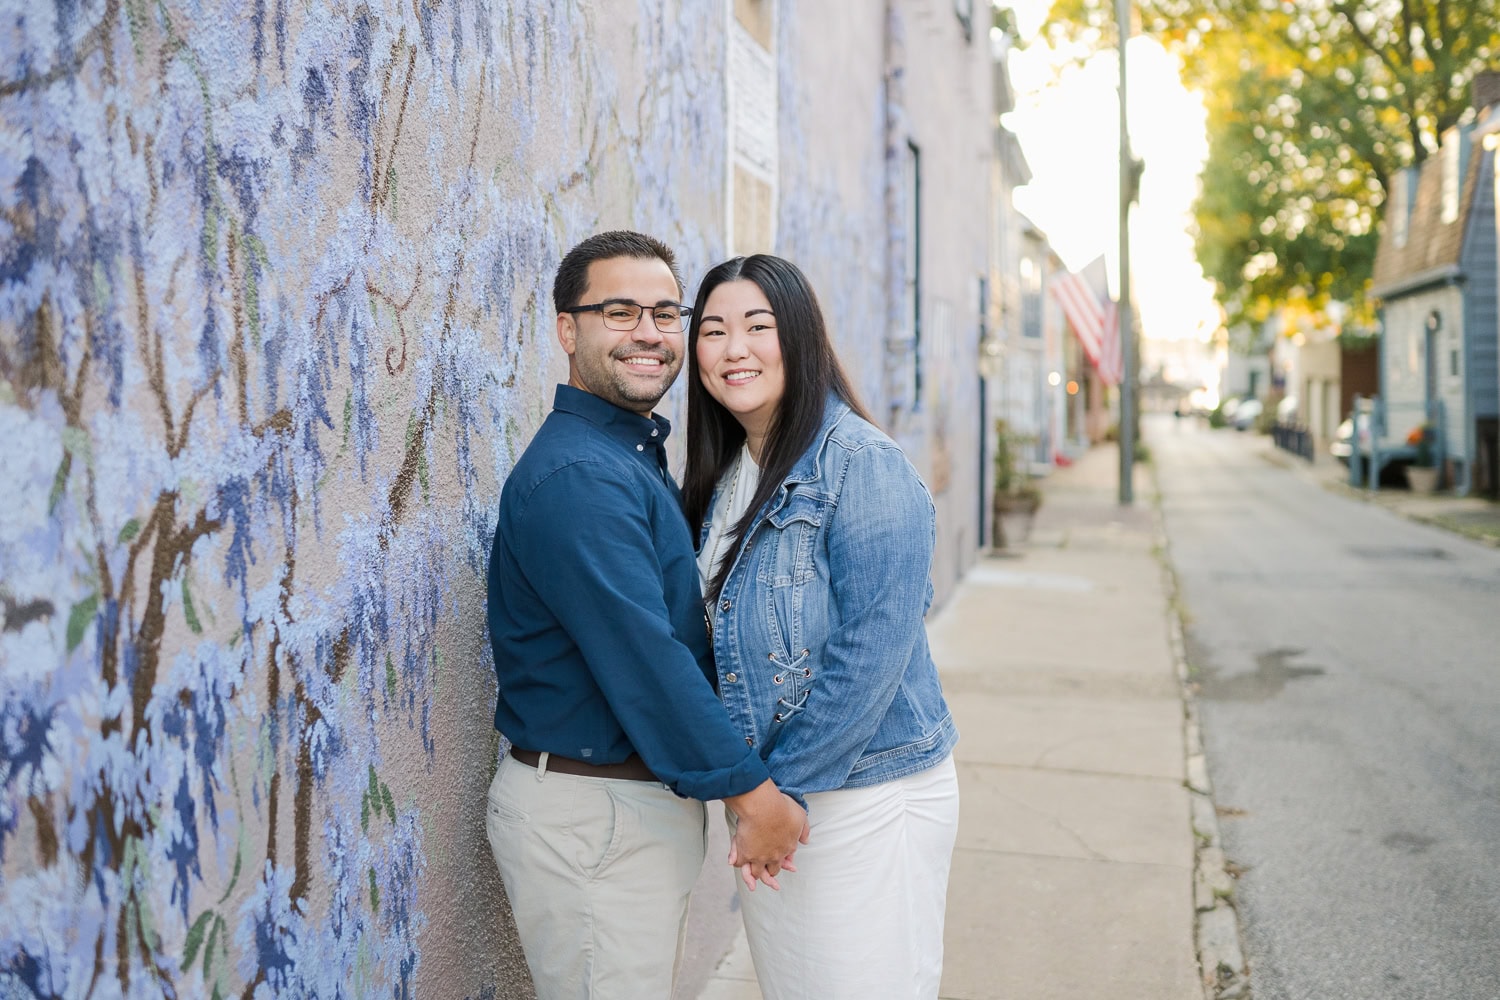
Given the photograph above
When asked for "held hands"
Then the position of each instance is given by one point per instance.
(769, 826)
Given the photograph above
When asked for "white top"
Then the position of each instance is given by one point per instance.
(736, 488)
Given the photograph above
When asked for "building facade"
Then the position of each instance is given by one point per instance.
(1435, 280)
(274, 325)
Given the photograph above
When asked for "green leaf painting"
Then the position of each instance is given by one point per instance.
(80, 618)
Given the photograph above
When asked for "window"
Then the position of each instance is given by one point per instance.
(751, 87)
(1031, 297)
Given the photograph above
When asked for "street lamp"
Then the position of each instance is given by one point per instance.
(1129, 177)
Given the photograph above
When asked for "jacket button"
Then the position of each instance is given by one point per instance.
(731, 677)
(725, 604)
(640, 447)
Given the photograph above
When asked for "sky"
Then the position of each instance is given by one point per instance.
(1067, 118)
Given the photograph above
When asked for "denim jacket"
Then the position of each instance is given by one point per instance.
(819, 637)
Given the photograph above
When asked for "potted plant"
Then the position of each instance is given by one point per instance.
(1422, 472)
(1015, 493)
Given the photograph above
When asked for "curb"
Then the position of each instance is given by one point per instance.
(1223, 971)
(1275, 456)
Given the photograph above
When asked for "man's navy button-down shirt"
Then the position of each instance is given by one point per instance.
(595, 611)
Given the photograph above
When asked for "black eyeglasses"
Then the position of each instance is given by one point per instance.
(622, 315)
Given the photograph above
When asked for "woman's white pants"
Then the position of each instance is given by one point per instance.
(862, 916)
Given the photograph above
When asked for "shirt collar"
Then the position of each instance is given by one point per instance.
(622, 425)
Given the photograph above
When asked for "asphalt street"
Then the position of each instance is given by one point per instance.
(1349, 663)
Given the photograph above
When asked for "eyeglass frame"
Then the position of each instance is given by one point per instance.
(599, 307)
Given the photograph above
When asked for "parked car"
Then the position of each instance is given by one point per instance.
(1246, 414)
(1394, 458)
(1343, 439)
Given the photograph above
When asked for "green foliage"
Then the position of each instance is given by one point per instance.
(195, 937)
(1286, 211)
(385, 797)
(59, 483)
(1312, 108)
(218, 941)
(1424, 437)
(80, 618)
(1011, 478)
(189, 613)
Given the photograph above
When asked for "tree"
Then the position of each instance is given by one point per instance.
(1312, 108)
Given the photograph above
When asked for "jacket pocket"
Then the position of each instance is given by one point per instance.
(787, 547)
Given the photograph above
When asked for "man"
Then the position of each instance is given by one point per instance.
(596, 816)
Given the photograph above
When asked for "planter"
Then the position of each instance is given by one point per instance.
(1016, 511)
(1422, 478)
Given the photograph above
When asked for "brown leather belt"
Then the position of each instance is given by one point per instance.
(632, 768)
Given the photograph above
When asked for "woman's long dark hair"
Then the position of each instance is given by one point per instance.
(812, 372)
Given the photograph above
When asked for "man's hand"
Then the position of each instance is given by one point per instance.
(769, 826)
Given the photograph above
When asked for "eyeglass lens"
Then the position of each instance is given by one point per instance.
(626, 316)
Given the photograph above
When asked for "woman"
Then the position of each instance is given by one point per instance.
(817, 539)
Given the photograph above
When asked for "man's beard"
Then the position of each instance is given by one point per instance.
(640, 392)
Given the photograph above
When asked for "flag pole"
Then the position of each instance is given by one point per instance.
(1128, 401)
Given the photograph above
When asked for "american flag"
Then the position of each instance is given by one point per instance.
(1095, 321)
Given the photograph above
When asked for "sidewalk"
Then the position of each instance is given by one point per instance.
(1074, 872)
(1472, 517)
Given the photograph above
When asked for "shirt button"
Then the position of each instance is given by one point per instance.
(640, 447)
(731, 677)
(655, 432)
(749, 742)
(725, 604)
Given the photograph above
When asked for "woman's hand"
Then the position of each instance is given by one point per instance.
(753, 871)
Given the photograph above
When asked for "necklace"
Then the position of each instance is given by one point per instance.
(734, 486)
(727, 508)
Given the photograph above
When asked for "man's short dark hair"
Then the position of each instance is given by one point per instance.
(573, 272)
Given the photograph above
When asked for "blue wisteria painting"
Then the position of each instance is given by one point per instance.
(273, 325)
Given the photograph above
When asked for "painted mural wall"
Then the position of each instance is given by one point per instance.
(272, 329)
(274, 324)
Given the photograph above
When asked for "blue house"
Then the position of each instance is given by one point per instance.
(1435, 282)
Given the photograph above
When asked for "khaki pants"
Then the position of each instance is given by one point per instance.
(598, 871)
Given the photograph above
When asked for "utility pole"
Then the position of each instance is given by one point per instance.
(1128, 401)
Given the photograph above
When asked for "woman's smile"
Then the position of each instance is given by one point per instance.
(739, 357)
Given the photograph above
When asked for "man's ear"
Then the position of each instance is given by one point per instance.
(567, 332)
